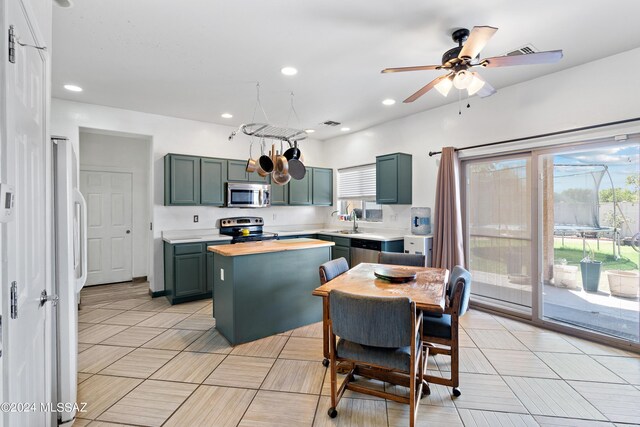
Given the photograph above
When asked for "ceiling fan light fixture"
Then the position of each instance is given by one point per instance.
(462, 79)
(476, 84)
(444, 86)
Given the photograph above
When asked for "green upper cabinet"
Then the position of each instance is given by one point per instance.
(182, 180)
(300, 191)
(393, 179)
(191, 180)
(322, 184)
(237, 170)
(213, 175)
(279, 194)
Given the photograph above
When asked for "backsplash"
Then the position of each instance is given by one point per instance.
(181, 217)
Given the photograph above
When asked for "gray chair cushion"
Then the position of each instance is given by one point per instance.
(396, 358)
(439, 327)
(371, 321)
(334, 268)
(413, 260)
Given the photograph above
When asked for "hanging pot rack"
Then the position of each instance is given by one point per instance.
(263, 130)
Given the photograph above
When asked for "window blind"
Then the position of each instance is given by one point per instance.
(357, 182)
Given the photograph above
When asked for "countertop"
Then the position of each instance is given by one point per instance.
(366, 235)
(193, 236)
(211, 235)
(265, 246)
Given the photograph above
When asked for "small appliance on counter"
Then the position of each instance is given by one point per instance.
(245, 229)
(421, 221)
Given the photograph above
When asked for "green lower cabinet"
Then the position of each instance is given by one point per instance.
(209, 272)
(189, 274)
(188, 271)
(341, 252)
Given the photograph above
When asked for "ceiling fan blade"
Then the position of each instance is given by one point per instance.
(478, 39)
(417, 68)
(548, 57)
(426, 88)
(486, 90)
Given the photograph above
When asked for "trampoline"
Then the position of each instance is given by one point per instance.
(577, 207)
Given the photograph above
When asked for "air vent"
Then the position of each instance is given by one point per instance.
(331, 123)
(524, 50)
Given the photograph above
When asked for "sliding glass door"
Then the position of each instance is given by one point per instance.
(498, 231)
(553, 235)
(589, 263)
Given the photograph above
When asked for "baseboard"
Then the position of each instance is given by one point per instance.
(156, 294)
(140, 279)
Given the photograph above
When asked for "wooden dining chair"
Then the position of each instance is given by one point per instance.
(398, 258)
(332, 269)
(380, 337)
(329, 271)
(443, 329)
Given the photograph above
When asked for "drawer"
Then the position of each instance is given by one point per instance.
(188, 248)
(325, 237)
(342, 241)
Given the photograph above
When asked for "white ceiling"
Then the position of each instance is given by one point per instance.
(196, 59)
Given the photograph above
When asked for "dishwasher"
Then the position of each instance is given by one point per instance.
(364, 251)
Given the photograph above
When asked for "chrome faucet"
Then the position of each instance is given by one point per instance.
(355, 220)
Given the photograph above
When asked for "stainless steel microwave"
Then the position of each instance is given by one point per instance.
(246, 195)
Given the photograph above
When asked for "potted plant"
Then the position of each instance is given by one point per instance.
(624, 284)
(590, 271)
(565, 276)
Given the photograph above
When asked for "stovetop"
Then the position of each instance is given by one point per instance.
(236, 226)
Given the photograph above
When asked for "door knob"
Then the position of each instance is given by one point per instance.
(128, 231)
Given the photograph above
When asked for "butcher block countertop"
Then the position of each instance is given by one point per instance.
(252, 248)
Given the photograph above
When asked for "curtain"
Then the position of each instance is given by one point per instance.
(448, 248)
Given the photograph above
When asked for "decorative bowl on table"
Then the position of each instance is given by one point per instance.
(394, 275)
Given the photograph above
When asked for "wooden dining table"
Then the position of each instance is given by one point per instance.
(427, 290)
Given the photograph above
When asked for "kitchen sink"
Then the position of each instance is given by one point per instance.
(347, 232)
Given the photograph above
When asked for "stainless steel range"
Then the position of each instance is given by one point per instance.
(245, 229)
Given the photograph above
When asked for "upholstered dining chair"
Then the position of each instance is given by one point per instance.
(380, 337)
(443, 329)
(332, 269)
(329, 271)
(397, 258)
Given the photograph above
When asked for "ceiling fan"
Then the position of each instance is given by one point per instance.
(461, 59)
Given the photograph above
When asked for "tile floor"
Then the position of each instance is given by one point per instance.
(143, 362)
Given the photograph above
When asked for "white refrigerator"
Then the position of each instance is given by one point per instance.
(70, 269)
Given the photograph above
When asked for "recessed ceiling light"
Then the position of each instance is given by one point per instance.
(73, 88)
(389, 101)
(289, 71)
(345, 129)
(226, 115)
(309, 130)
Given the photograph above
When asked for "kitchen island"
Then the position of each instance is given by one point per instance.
(264, 288)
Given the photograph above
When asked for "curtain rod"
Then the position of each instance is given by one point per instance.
(542, 135)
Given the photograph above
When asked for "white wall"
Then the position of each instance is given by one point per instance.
(112, 153)
(173, 135)
(576, 97)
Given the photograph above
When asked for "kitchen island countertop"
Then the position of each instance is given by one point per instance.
(266, 246)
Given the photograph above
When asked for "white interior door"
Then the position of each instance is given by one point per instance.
(26, 356)
(109, 217)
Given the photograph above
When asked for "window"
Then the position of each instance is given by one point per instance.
(357, 193)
